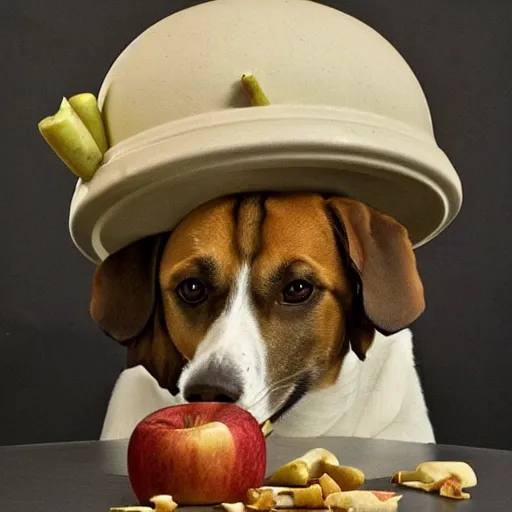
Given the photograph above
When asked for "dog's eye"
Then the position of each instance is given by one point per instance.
(192, 291)
(297, 292)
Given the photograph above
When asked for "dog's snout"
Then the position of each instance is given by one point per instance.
(208, 393)
(213, 386)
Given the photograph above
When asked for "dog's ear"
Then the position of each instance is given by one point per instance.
(154, 350)
(125, 287)
(126, 304)
(380, 252)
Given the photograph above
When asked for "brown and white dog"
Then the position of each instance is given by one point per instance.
(293, 306)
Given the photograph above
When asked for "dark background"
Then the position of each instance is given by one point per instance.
(57, 370)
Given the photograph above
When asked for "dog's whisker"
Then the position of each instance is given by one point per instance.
(262, 395)
(259, 409)
(266, 392)
(278, 384)
(288, 378)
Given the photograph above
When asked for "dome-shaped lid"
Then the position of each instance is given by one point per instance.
(347, 116)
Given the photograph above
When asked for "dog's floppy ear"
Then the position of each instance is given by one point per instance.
(125, 303)
(125, 287)
(381, 254)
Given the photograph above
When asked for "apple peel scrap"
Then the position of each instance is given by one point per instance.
(76, 133)
(266, 498)
(447, 477)
(162, 502)
(312, 466)
(299, 510)
(254, 91)
(233, 507)
(363, 501)
(267, 428)
(328, 485)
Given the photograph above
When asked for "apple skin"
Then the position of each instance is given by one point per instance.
(201, 453)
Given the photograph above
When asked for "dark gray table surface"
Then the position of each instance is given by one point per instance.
(91, 476)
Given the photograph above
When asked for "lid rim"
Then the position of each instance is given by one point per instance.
(252, 139)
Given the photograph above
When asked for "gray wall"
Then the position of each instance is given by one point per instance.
(57, 369)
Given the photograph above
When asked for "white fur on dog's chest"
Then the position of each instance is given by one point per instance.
(378, 398)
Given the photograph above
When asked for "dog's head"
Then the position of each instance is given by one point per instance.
(257, 299)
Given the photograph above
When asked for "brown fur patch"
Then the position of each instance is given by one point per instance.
(154, 350)
(248, 230)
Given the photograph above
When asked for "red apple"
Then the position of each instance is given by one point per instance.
(201, 454)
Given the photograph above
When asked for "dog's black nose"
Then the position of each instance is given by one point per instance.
(208, 392)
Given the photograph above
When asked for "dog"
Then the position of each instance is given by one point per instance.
(296, 307)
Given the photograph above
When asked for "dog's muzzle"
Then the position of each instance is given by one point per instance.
(214, 384)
